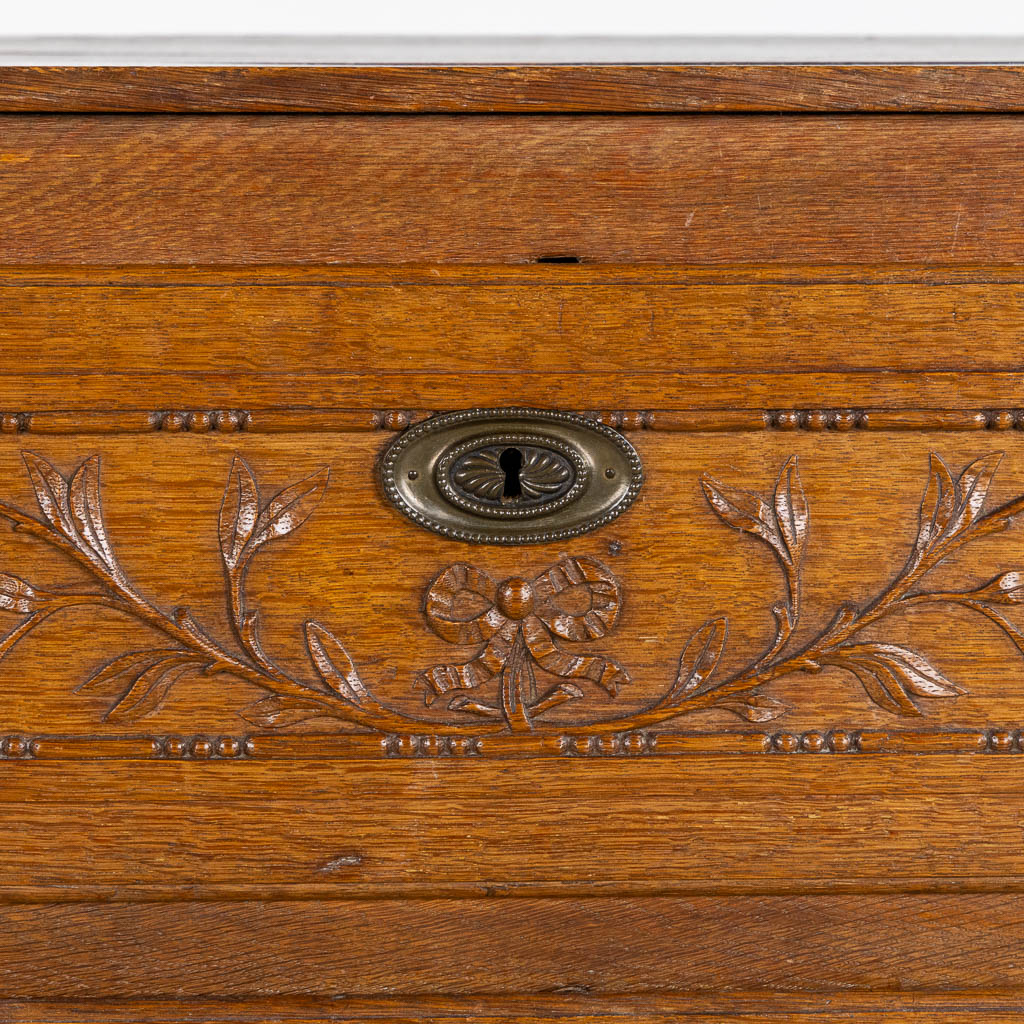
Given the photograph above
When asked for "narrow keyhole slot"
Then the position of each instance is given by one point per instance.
(511, 462)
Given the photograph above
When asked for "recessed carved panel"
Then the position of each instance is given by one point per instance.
(529, 638)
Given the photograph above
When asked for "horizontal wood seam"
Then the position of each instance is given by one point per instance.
(733, 1007)
(525, 274)
(342, 889)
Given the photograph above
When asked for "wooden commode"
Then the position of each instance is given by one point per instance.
(510, 542)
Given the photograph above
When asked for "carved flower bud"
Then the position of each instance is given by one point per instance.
(18, 596)
(1007, 588)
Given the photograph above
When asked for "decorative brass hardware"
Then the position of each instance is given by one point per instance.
(511, 476)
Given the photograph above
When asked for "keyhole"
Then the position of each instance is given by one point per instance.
(511, 461)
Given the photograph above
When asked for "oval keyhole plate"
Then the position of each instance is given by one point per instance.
(511, 476)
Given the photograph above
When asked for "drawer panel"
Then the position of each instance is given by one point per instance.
(543, 320)
(319, 827)
(237, 189)
(810, 947)
(166, 774)
(363, 573)
(326, 346)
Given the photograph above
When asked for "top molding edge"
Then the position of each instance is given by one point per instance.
(511, 76)
(501, 51)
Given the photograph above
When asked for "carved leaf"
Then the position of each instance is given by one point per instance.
(755, 708)
(290, 508)
(921, 678)
(937, 504)
(1003, 623)
(238, 512)
(892, 676)
(745, 511)
(74, 509)
(16, 595)
(883, 688)
(334, 664)
(103, 678)
(972, 488)
(84, 495)
(23, 628)
(700, 657)
(791, 510)
(51, 492)
(276, 712)
(149, 688)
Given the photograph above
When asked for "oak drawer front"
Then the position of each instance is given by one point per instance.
(235, 803)
(750, 750)
(294, 528)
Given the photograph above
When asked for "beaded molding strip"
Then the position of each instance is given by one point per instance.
(292, 421)
(25, 746)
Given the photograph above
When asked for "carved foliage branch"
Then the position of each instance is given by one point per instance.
(140, 681)
(893, 676)
(519, 623)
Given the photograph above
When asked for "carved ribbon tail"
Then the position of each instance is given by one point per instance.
(460, 609)
(518, 687)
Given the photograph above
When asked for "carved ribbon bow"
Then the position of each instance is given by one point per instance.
(517, 621)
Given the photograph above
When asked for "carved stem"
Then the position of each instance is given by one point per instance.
(128, 600)
(894, 597)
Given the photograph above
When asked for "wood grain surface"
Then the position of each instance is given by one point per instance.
(552, 321)
(694, 1008)
(299, 341)
(314, 830)
(514, 89)
(508, 947)
(365, 189)
(241, 777)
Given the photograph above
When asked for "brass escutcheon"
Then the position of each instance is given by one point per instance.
(510, 476)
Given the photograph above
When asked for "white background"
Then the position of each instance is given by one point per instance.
(512, 17)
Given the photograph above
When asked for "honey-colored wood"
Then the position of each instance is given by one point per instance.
(349, 548)
(287, 344)
(648, 1009)
(700, 189)
(749, 752)
(381, 828)
(556, 321)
